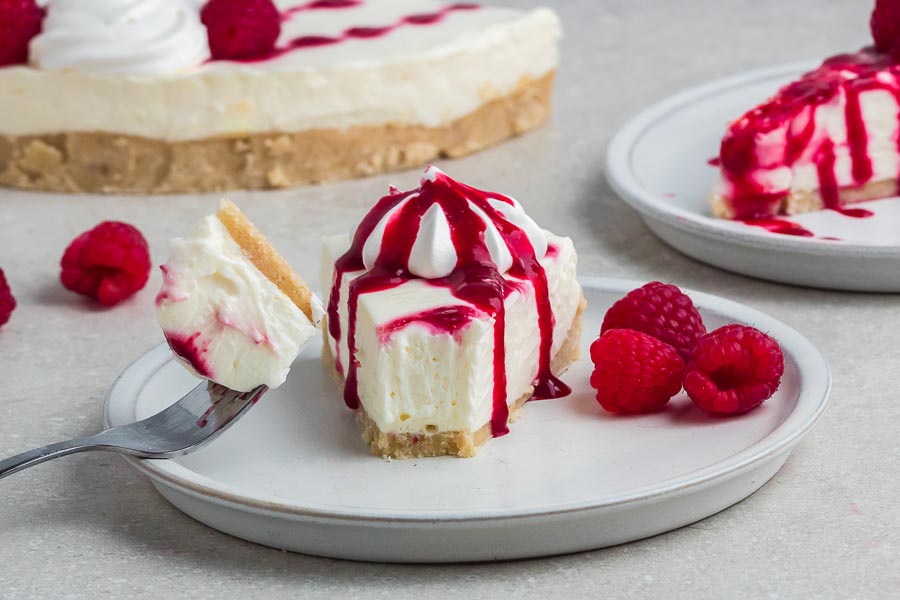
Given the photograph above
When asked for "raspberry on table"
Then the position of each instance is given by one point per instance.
(733, 370)
(885, 24)
(634, 373)
(20, 21)
(659, 310)
(7, 301)
(241, 29)
(110, 263)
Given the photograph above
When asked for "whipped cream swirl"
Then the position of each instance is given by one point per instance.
(134, 37)
(434, 254)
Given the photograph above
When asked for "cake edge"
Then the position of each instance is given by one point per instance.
(265, 257)
(450, 443)
(804, 201)
(108, 163)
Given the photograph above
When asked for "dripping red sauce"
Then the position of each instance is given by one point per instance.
(189, 349)
(353, 33)
(475, 280)
(855, 213)
(780, 226)
(794, 109)
(446, 319)
(319, 5)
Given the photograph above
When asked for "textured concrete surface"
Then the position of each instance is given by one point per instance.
(826, 526)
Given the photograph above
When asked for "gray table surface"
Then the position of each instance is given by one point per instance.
(828, 525)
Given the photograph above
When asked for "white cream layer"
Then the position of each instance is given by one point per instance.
(422, 381)
(879, 111)
(417, 74)
(247, 332)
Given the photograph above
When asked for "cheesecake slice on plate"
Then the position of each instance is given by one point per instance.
(827, 140)
(448, 309)
(232, 309)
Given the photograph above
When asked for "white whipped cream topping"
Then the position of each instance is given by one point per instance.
(418, 380)
(426, 75)
(433, 254)
(135, 37)
(245, 330)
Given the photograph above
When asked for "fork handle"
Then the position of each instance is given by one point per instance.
(38, 455)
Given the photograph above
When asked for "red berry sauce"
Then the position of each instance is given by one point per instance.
(358, 32)
(475, 280)
(190, 349)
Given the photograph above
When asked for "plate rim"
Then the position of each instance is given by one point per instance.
(624, 181)
(813, 399)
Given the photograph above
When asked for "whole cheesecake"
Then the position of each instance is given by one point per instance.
(122, 95)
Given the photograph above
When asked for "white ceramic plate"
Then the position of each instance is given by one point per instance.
(658, 164)
(294, 473)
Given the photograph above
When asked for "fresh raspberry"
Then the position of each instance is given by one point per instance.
(734, 369)
(661, 310)
(241, 28)
(885, 24)
(634, 373)
(110, 263)
(20, 21)
(7, 302)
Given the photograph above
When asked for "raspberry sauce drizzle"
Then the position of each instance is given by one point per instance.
(750, 151)
(353, 33)
(475, 279)
(188, 348)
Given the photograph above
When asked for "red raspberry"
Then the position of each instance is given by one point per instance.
(110, 263)
(7, 302)
(241, 28)
(634, 373)
(660, 310)
(734, 369)
(885, 24)
(20, 21)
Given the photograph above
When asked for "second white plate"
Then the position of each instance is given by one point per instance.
(658, 164)
(294, 473)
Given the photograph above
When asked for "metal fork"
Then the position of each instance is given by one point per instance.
(201, 415)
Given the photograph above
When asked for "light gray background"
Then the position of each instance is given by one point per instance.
(827, 526)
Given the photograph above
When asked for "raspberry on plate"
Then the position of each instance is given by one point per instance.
(662, 311)
(733, 370)
(7, 301)
(20, 21)
(634, 373)
(110, 263)
(885, 24)
(241, 29)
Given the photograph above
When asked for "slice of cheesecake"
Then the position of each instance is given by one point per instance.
(448, 310)
(232, 309)
(826, 140)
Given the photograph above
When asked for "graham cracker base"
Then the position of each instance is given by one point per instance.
(454, 443)
(800, 202)
(264, 256)
(107, 163)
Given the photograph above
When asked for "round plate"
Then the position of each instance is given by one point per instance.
(295, 474)
(658, 163)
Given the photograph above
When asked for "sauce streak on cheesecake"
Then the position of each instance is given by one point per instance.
(188, 348)
(775, 135)
(475, 279)
(353, 33)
